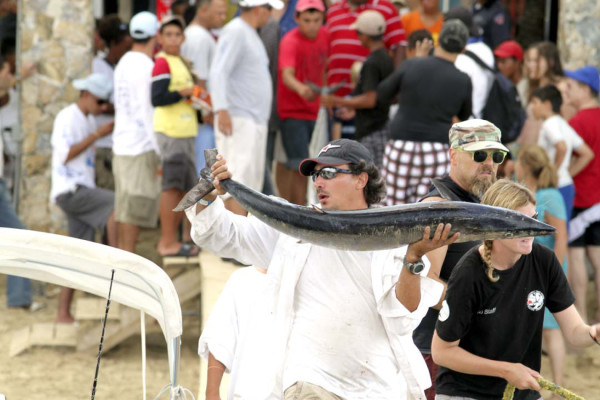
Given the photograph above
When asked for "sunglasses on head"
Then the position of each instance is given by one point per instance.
(480, 156)
(329, 173)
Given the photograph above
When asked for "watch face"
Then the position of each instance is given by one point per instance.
(418, 267)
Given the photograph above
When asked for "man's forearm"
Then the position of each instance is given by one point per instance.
(214, 376)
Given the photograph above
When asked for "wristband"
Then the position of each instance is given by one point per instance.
(204, 203)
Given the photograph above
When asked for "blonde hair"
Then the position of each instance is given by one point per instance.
(536, 159)
(505, 194)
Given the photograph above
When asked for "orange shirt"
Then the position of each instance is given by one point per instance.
(412, 22)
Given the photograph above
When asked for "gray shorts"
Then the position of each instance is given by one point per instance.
(87, 210)
(178, 158)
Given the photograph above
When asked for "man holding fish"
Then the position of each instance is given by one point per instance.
(339, 322)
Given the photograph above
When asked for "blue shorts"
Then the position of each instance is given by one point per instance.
(295, 136)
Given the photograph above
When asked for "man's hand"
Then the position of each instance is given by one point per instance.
(219, 172)
(522, 377)
(345, 113)
(306, 93)
(329, 100)
(440, 238)
(186, 92)
(105, 129)
(224, 121)
(423, 47)
(208, 118)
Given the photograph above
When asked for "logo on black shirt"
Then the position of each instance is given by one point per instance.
(535, 300)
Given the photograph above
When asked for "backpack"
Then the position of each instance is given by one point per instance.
(503, 106)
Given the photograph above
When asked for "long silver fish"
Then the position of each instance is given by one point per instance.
(374, 228)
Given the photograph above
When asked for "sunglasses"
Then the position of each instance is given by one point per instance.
(101, 102)
(480, 156)
(329, 173)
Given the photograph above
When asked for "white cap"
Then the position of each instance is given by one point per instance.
(276, 4)
(96, 84)
(143, 25)
(369, 22)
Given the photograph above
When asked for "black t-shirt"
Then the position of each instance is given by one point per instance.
(423, 335)
(378, 66)
(500, 320)
(431, 91)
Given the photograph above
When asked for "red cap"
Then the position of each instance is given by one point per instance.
(304, 5)
(508, 49)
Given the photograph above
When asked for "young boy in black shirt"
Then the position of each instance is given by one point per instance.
(371, 113)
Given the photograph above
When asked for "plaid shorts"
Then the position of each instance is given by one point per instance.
(409, 167)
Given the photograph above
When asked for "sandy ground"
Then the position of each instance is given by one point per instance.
(62, 373)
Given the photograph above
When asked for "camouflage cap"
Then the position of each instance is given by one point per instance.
(475, 134)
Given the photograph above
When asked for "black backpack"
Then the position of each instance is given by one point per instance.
(503, 106)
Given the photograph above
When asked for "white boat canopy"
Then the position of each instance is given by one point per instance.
(87, 266)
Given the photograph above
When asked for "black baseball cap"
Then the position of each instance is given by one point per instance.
(337, 152)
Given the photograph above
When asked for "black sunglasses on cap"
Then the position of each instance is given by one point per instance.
(480, 156)
(330, 173)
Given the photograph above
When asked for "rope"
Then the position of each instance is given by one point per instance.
(112, 276)
(509, 392)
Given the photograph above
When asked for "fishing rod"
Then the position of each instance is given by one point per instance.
(112, 276)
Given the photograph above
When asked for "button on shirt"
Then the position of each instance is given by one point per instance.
(71, 126)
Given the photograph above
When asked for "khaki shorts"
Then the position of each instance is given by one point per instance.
(137, 189)
(308, 391)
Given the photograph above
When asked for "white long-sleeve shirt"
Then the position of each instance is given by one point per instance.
(251, 241)
(239, 79)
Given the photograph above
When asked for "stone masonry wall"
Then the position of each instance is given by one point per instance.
(579, 33)
(57, 35)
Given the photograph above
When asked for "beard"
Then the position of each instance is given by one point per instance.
(479, 185)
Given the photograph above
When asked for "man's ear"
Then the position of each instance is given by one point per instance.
(453, 156)
(363, 179)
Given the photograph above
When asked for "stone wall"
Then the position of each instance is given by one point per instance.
(57, 35)
(579, 33)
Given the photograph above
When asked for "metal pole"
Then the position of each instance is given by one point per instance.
(174, 363)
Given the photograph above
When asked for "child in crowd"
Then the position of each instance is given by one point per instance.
(371, 113)
(176, 126)
(559, 140)
(302, 59)
(87, 207)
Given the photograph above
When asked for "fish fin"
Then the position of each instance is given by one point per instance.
(444, 193)
(318, 209)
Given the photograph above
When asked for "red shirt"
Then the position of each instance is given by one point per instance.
(345, 48)
(587, 183)
(309, 59)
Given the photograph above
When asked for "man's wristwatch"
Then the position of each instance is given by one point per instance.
(414, 268)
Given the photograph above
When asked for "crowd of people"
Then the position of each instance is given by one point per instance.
(420, 107)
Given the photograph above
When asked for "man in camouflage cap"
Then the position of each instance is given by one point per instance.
(475, 154)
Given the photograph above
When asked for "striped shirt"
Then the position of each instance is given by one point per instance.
(345, 48)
